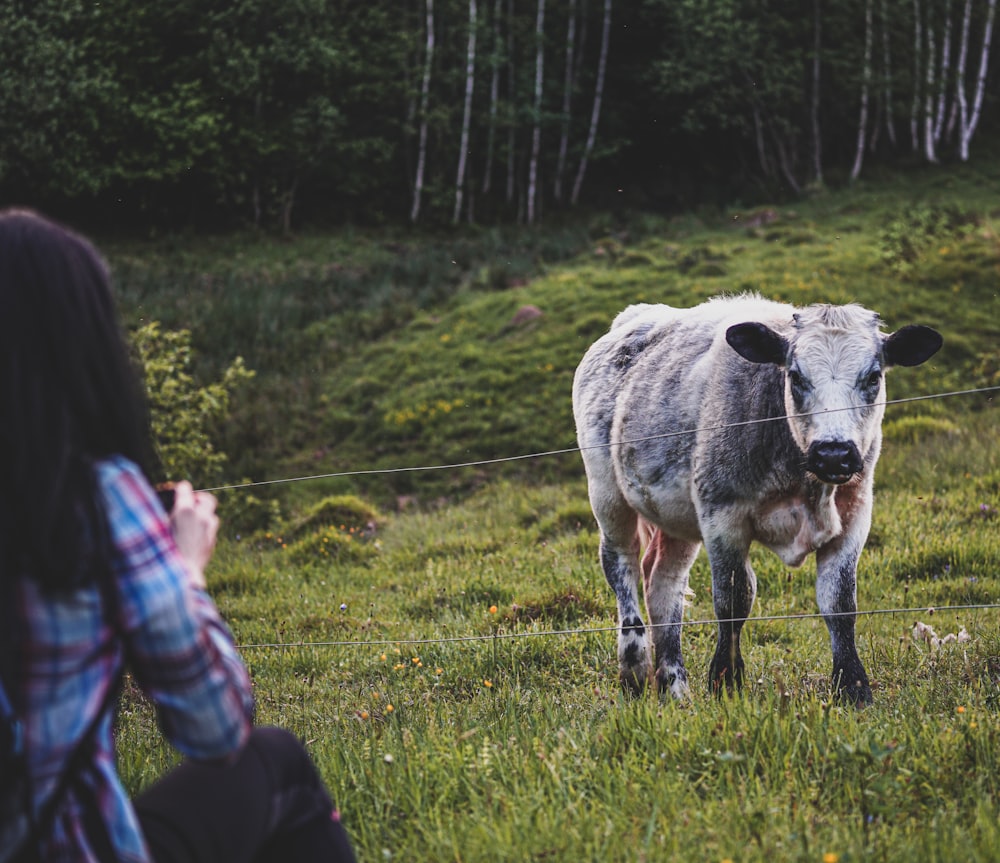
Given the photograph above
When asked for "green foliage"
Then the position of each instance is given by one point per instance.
(244, 513)
(906, 237)
(204, 114)
(54, 89)
(184, 415)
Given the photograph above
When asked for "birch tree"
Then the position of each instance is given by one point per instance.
(969, 118)
(595, 113)
(943, 75)
(511, 91)
(814, 107)
(918, 41)
(930, 152)
(494, 97)
(866, 76)
(470, 81)
(536, 131)
(890, 125)
(960, 63)
(425, 90)
(567, 100)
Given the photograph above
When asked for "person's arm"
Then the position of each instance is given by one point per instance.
(178, 648)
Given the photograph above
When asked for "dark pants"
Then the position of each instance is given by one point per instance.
(269, 805)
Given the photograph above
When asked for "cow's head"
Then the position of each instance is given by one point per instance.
(834, 360)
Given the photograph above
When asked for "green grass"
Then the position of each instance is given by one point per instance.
(515, 748)
(453, 668)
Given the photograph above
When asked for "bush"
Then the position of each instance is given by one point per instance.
(904, 239)
(184, 415)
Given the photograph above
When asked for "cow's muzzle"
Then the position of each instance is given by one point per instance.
(834, 461)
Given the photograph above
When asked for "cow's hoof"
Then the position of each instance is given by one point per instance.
(725, 678)
(859, 694)
(851, 685)
(672, 680)
(634, 682)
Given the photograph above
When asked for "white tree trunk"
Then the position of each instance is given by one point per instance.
(958, 100)
(918, 42)
(758, 126)
(470, 81)
(814, 108)
(595, 114)
(787, 169)
(945, 73)
(425, 89)
(866, 76)
(567, 100)
(971, 120)
(890, 124)
(930, 152)
(536, 132)
(511, 97)
(494, 98)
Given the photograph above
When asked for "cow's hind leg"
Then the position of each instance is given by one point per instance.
(665, 567)
(620, 562)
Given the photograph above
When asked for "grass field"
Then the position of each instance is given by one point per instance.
(452, 665)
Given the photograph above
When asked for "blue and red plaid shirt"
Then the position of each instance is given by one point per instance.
(69, 655)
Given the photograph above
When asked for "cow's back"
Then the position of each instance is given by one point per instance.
(659, 374)
(664, 360)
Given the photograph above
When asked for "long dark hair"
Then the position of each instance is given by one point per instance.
(69, 395)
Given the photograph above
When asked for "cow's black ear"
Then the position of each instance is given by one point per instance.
(757, 343)
(911, 345)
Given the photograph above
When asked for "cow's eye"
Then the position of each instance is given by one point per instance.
(873, 380)
(796, 379)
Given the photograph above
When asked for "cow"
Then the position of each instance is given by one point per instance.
(738, 420)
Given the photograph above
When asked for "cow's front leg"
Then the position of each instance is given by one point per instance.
(665, 567)
(734, 587)
(836, 595)
(621, 569)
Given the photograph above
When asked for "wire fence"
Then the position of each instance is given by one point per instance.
(576, 449)
(500, 635)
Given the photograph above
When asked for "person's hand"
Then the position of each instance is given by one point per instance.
(194, 525)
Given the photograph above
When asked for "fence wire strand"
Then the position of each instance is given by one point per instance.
(498, 635)
(574, 449)
(508, 636)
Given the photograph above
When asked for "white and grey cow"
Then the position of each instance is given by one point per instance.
(735, 421)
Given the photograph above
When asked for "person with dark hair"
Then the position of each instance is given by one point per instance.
(95, 577)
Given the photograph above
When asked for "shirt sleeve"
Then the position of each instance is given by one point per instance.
(178, 647)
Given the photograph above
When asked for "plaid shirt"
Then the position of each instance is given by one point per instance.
(68, 657)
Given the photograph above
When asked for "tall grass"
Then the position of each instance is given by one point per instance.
(453, 668)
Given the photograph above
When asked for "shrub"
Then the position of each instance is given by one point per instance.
(183, 414)
(904, 239)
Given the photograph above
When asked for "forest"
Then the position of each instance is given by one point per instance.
(217, 114)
